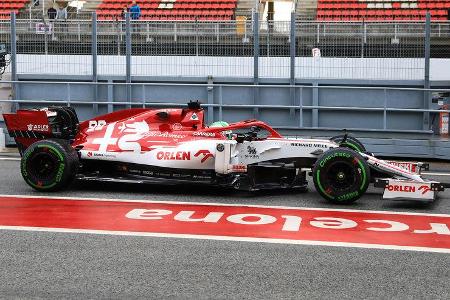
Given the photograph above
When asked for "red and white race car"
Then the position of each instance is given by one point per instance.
(174, 145)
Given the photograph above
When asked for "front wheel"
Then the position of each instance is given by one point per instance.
(49, 165)
(349, 142)
(341, 176)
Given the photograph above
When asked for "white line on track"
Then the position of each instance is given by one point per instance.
(226, 204)
(227, 238)
(10, 158)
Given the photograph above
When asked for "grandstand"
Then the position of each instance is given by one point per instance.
(203, 10)
(306, 9)
(381, 10)
(223, 10)
(8, 6)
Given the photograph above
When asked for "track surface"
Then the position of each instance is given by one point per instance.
(71, 265)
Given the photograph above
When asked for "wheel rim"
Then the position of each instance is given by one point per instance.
(341, 175)
(43, 166)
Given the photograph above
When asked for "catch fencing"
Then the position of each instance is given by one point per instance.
(233, 49)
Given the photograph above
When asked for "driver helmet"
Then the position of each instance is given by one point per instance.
(227, 133)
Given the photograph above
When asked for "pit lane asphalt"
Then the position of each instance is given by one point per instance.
(63, 265)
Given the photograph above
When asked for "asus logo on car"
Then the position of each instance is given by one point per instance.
(34, 127)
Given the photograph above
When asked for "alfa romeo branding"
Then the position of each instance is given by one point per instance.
(177, 126)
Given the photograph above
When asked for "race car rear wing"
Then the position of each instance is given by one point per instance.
(27, 126)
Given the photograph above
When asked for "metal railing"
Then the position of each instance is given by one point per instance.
(439, 29)
(303, 103)
(348, 50)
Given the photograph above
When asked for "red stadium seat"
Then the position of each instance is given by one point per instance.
(8, 6)
(181, 10)
(381, 10)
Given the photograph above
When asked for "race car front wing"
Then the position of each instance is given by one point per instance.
(406, 182)
(399, 189)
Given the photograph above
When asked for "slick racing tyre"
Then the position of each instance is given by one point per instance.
(350, 142)
(341, 175)
(49, 165)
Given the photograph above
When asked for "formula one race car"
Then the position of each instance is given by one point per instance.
(174, 145)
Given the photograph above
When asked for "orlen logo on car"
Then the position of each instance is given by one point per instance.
(183, 155)
(206, 154)
(425, 189)
(408, 188)
(173, 155)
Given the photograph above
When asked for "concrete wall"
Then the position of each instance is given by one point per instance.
(237, 67)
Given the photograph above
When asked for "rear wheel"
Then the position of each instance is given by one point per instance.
(341, 175)
(350, 142)
(49, 165)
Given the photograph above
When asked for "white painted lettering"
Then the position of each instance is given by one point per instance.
(147, 214)
(438, 228)
(333, 223)
(262, 219)
(186, 216)
(292, 223)
(393, 226)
